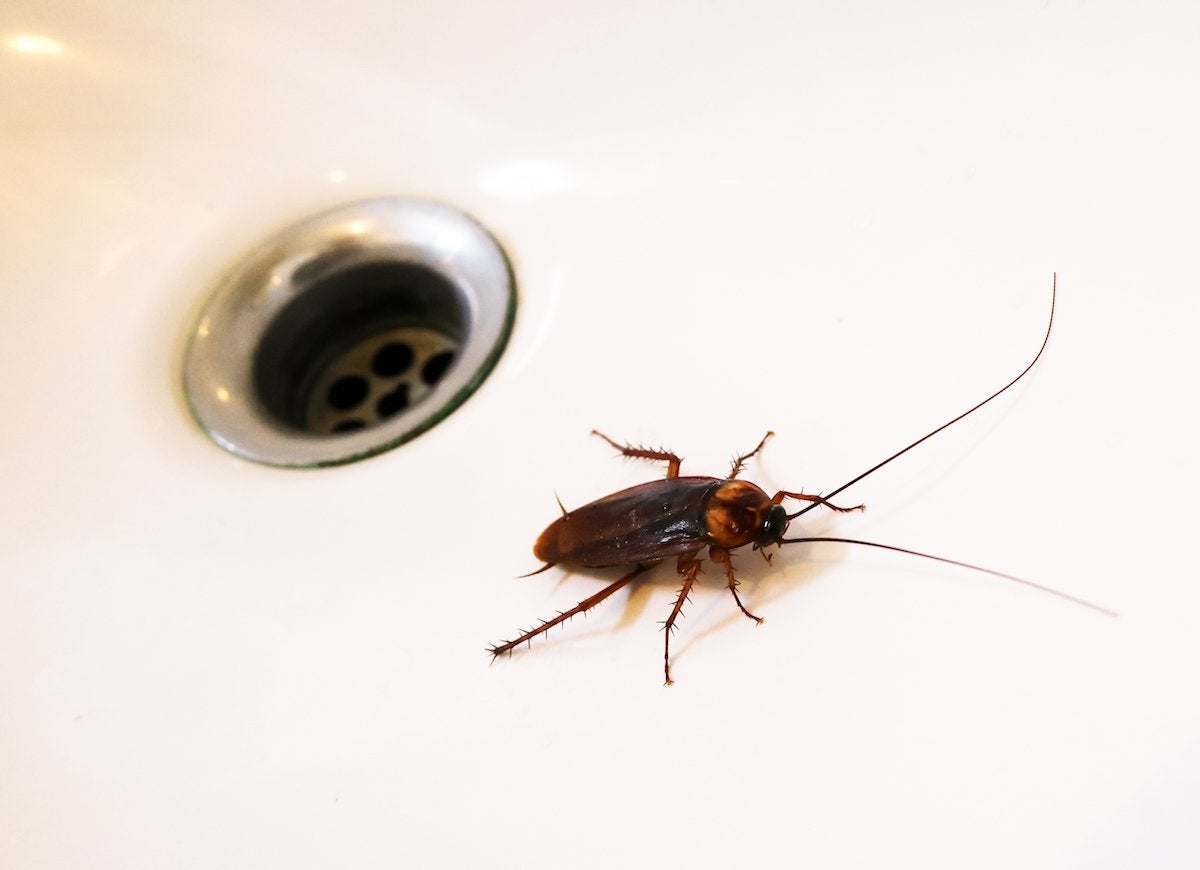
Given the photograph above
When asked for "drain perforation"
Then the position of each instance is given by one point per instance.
(385, 390)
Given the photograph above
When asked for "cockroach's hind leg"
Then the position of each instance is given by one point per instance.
(689, 569)
(666, 456)
(740, 461)
(725, 560)
(799, 496)
(545, 567)
(582, 607)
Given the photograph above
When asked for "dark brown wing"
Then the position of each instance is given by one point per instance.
(642, 524)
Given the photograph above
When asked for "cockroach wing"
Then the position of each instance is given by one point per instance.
(642, 524)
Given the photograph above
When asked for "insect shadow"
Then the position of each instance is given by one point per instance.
(768, 585)
(681, 517)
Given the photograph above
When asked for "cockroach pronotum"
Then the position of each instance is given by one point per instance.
(681, 516)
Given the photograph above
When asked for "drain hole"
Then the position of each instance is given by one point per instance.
(347, 393)
(393, 359)
(393, 403)
(381, 333)
(434, 370)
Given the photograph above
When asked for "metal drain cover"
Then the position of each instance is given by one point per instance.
(378, 378)
(349, 333)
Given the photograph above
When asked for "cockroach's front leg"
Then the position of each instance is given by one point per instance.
(671, 459)
(741, 460)
(582, 607)
(724, 559)
(689, 569)
(799, 496)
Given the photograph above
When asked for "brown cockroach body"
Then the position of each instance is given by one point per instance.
(681, 517)
(676, 516)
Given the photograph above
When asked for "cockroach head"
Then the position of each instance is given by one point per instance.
(773, 526)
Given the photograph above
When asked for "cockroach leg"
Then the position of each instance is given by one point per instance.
(689, 568)
(740, 462)
(582, 607)
(725, 559)
(799, 496)
(671, 459)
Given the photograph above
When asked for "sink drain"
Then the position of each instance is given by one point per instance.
(378, 378)
(349, 333)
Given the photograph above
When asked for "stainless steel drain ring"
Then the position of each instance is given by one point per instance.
(349, 333)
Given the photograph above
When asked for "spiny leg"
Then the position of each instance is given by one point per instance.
(799, 496)
(671, 459)
(689, 568)
(582, 607)
(724, 559)
(741, 460)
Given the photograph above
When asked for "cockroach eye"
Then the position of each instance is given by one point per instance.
(773, 526)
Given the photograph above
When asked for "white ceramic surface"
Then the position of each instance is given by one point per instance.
(838, 221)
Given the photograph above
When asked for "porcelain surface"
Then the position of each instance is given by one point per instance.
(836, 222)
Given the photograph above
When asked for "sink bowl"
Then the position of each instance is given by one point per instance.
(839, 224)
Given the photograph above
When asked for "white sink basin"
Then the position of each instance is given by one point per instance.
(837, 224)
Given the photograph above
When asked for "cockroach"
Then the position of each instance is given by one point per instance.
(680, 517)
